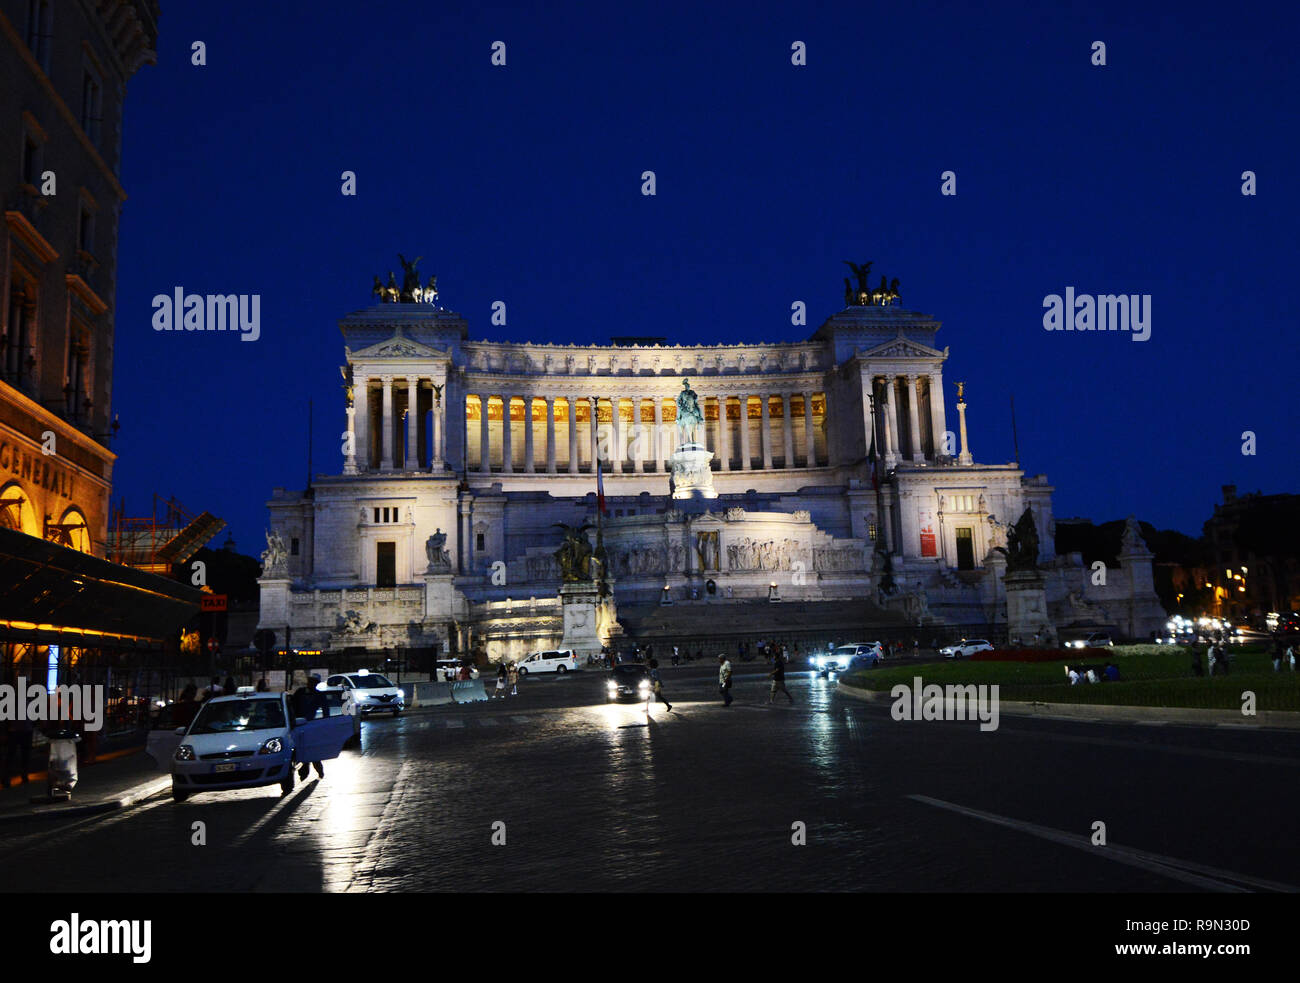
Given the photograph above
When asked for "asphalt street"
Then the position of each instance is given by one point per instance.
(558, 790)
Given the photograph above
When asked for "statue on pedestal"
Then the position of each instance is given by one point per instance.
(435, 550)
(1021, 550)
(575, 554)
(689, 416)
(275, 556)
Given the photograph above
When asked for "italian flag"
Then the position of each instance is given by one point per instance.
(600, 488)
(875, 468)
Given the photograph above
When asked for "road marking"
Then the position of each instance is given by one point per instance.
(1240, 726)
(520, 720)
(1197, 875)
(488, 721)
(454, 722)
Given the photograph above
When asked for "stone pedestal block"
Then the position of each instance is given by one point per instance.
(1027, 608)
(691, 472)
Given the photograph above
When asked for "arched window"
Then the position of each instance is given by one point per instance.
(16, 510)
(70, 531)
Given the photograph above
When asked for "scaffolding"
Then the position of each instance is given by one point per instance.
(156, 542)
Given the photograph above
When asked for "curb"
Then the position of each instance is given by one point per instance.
(1272, 719)
(130, 797)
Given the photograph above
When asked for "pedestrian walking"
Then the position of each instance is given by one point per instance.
(512, 676)
(778, 679)
(1278, 653)
(724, 679)
(501, 682)
(656, 687)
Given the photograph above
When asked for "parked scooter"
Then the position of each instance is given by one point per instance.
(61, 773)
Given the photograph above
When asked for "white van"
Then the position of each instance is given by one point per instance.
(563, 660)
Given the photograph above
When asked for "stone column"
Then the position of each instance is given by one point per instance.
(550, 435)
(787, 429)
(887, 519)
(914, 416)
(638, 436)
(886, 411)
(594, 428)
(964, 457)
(466, 535)
(658, 441)
(361, 396)
(572, 405)
(746, 463)
(412, 423)
(809, 432)
(386, 429)
(485, 437)
(439, 441)
(615, 436)
(765, 432)
(724, 438)
(529, 465)
(507, 436)
(350, 458)
(938, 418)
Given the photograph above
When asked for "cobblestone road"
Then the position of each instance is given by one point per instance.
(599, 797)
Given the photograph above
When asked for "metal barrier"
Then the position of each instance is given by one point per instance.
(467, 691)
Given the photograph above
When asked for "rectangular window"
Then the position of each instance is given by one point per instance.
(376, 515)
(293, 546)
(86, 230)
(385, 564)
(91, 104)
(479, 545)
(31, 160)
(40, 20)
(965, 548)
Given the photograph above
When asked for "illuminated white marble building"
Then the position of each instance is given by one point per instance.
(490, 444)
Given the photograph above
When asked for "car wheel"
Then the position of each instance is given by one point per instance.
(287, 784)
(523, 671)
(179, 796)
(561, 670)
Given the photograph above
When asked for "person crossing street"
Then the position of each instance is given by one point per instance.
(778, 678)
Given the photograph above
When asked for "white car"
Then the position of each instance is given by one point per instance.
(839, 658)
(372, 692)
(341, 701)
(1096, 640)
(965, 648)
(249, 741)
(561, 661)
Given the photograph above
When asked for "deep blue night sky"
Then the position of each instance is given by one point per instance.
(522, 184)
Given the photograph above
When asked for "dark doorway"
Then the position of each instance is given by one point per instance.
(386, 564)
(965, 549)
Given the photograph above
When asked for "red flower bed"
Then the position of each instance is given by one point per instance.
(1031, 655)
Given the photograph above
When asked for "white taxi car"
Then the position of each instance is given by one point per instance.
(250, 740)
(965, 648)
(372, 692)
(561, 661)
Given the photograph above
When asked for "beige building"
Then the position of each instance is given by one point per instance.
(63, 76)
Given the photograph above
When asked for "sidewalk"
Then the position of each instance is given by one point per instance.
(113, 781)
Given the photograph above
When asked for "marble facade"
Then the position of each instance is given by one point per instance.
(493, 443)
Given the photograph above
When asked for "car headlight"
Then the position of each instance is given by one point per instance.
(612, 686)
(273, 746)
(645, 684)
(401, 694)
(184, 753)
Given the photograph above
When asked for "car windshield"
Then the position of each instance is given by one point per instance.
(370, 681)
(238, 715)
(624, 673)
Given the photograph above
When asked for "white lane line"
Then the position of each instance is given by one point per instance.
(455, 722)
(1240, 726)
(519, 720)
(1197, 875)
(488, 721)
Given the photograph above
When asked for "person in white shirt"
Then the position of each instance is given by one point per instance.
(724, 679)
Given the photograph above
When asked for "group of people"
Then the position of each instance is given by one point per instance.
(776, 674)
(1091, 674)
(507, 676)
